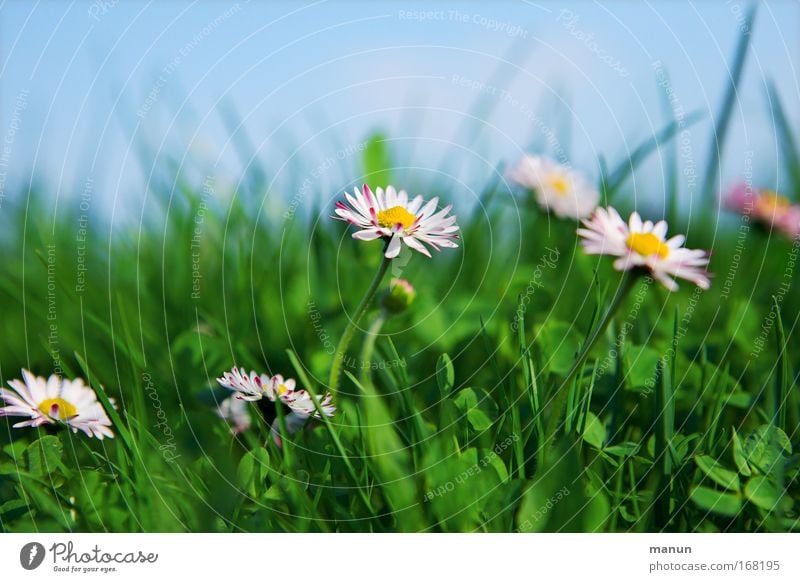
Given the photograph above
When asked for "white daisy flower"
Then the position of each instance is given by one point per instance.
(390, 215)
(559, 189)
(644, 245)
(56, 401)
(234, 411)
(277, 387)
(248, 387)
(302, 404)
(253, 386)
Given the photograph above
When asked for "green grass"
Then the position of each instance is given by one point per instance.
(684, 417)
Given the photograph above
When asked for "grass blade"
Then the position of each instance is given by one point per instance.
(728, 101)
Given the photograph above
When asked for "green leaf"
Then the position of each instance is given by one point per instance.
(457, 484)
(766, 448)
(760, 491)
(717, 473)
(627, 449)
(44, 455)
(445, 374)
(717, 502)
(562, 342)
(252, 471)
(640, 365)
(467, 402)
(594, 432)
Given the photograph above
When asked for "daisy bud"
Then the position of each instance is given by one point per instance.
(399, 297)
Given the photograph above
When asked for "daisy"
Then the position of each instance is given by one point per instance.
(391, 216)
(644, 245)
(248, 387)
(301, 403)
(234, 411)
(56, 401)
(255, 386)
(559, 189)
(767, 207)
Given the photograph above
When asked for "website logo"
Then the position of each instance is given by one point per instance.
(31, 555)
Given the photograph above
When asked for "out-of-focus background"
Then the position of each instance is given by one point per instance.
(104, 90)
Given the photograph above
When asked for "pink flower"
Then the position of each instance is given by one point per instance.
(766, 207)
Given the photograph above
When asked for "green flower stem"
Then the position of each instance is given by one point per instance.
(559, 401)
(369, 346)
(347, 336)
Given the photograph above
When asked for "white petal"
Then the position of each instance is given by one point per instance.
(394, 247)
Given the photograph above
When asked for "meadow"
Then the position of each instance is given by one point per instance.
(679, 413)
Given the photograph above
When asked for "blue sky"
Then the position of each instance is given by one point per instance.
(86, 83)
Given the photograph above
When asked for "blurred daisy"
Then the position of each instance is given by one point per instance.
(254, 386)
(644, 245)
(56, 401)
(766, 207)
(234, 411)
(391, 216)
(558, 189)
(790, 222)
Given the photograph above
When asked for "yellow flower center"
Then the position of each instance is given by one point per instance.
(772, 203)
(282, 389)
(560, 184)
(646, 244)
(64, 409)
(395, 215)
